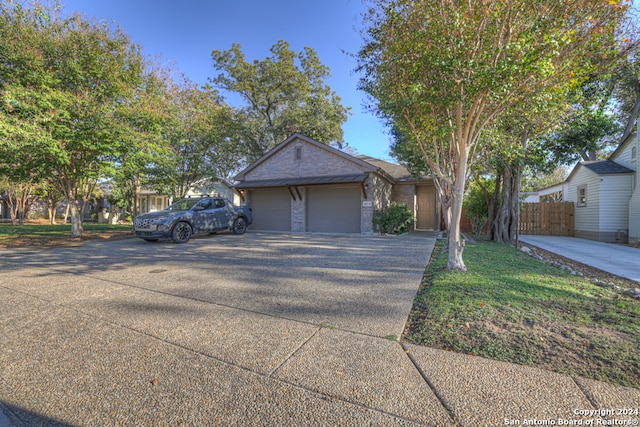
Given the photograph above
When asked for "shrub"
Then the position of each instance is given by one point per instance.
(394, 219)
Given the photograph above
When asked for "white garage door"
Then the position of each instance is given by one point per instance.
(271, 209)
(333, 209)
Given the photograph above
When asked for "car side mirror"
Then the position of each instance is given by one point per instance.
(198, 208)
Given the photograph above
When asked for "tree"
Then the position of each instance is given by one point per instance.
(200, 144)
(284, 93)
(64, 82)
(627, 91)
(442, 71)
(589, 126)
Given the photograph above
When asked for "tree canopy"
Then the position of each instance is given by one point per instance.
(64, 83)
(283, 94)
(442, 71)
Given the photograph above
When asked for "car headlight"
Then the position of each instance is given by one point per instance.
(162, 227)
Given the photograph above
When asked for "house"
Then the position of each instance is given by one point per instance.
(149, 200)
(606, 195)
(303, 185)
(217, 186)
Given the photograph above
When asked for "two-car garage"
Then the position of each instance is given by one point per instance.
(302, 185)
(334, 208)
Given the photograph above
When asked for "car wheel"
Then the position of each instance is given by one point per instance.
(239, 226)
(150, 240)
(181, 232)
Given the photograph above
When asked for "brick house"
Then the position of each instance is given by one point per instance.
(303, 185)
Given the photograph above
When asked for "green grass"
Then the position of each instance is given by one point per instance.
(511, 307)
(33, 234)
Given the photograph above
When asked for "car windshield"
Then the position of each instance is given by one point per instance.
(182, 205)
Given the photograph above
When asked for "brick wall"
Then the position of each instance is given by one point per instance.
(313, 161)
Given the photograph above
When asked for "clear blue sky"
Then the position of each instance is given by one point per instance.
(185, 32)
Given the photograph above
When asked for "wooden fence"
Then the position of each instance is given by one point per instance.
(550, 219)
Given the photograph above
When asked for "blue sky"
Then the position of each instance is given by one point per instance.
(185, 32)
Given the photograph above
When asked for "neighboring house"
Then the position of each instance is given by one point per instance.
(303, 185)
(4, 210)
(606, 194)
(150, 200)
(216, 186)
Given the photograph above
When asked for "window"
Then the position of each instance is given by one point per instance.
(582, 195)
(298, 153)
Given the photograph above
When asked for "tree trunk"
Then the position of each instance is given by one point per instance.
(66, 213)
(515, 205)
(455, 241)
(76, 218)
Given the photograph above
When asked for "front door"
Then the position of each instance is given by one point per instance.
(426, 207)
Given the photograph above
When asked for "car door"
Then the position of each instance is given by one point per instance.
(221, 214)
(203, 214)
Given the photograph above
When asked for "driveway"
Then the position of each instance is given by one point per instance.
(259, 329)
(623, 261)
(223, 328)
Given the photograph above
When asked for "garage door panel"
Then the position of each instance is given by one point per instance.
(271, 209)
(333, 209)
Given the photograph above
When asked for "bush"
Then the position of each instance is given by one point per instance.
(394, 219)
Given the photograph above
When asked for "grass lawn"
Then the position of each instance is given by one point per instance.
(37, 234)
(509, 306)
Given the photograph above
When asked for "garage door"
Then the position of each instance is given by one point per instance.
(271, 209)
(333, 209)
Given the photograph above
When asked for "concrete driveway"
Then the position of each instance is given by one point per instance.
(260, 329)
(228, 326)
(623, 261)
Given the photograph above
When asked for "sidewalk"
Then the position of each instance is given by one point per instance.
(623, 261)
(286, 332)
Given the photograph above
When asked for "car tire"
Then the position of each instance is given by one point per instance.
(181, 232)
(239, 225)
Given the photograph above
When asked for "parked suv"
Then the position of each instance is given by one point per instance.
(202, 214)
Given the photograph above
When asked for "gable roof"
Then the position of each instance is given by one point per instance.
(298, 136)
(606, 167)
(397, 172)
(600, 167)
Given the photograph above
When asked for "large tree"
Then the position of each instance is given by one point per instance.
(64, 82)
(443, 70)
(200, 141)
(283, 94)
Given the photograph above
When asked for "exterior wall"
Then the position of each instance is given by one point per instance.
(634, 203)
(299, 211)
(313, 161)
(380, 192)
(587, 218)
(615, 192)
(217, 188)
(405, 193)
(634, 213)
(152, 202)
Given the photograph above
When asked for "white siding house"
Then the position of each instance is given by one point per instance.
(607, 196)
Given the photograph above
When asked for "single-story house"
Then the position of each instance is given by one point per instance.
(217, 186)
(302, 185)
(149, 200)
(606, 194)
